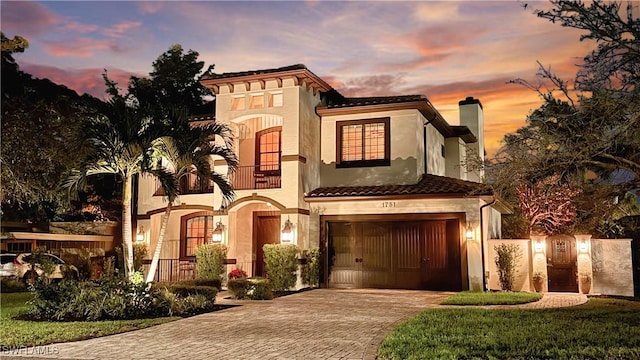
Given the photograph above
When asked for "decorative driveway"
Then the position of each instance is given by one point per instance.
(316, 324)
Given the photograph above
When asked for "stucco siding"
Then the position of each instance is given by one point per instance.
(612, 267)
(523, 275)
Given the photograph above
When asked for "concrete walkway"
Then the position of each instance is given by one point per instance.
(318, 324)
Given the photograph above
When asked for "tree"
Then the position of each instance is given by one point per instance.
(41, 128)
(122, 141)
(190, 153)
(174, 81)
(587, 132)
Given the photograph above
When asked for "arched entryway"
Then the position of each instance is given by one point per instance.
(562, 264)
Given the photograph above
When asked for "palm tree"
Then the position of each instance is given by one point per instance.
(190, 151)
(125, 142)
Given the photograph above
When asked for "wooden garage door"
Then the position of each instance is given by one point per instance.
(395, 254)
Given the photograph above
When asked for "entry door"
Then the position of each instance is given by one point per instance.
(266, 231)
(561, 264)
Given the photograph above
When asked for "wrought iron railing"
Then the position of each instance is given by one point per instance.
(256, 177)
(170, 270)
(185, 186)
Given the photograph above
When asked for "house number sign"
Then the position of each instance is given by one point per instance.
(388, 204)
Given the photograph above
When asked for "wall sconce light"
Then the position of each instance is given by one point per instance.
(287, 232)
(216, 237)
(583, 246)
(539, 246)
(469, 232)
(140, 234)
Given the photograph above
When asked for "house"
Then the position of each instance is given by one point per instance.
(378, 184)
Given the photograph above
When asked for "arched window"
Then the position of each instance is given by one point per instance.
(195, 229)
(268, 150)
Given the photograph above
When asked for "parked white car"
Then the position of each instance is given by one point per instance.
(7, 265)
(23, 268)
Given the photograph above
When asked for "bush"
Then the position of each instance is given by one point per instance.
(81, 259)
(139, 254)
(186, 290)
(507, 257)
(251, 288)
(198, 282)
(310, 270)
(11, 285)
(281, 262)
(210, 261)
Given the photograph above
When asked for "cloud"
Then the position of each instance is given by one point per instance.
(27, 19)
(375, 85)
(79, 47)
(150, 7)
(122, 28)
(82, 80)
(436, 12)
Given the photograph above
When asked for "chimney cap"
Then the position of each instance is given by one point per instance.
(469, 101)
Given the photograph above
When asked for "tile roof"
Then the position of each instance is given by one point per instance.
(428, 185)
(377, 100)
(256, 72)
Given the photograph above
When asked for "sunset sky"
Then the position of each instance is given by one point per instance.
(443, 50)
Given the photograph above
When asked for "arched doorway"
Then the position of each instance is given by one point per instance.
(562, 264)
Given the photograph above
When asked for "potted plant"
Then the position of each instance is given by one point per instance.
(585, 282)
(538, 281)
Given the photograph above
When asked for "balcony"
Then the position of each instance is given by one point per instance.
(188, 185)
(256, 177)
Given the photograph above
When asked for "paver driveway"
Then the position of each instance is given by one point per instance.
(317, 324)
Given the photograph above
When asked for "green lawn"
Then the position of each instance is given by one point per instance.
(31, 333)
(491, 298)
(600, 329)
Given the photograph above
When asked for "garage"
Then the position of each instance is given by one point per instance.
(403, 252)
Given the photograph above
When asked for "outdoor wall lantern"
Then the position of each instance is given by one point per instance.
(469, 233)
(539, 246)
(140, 234)
(287, 232)
(216, 237)
(583, 246)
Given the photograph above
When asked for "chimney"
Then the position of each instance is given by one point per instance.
(471, 116)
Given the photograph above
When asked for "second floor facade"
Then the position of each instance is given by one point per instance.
(295, 133)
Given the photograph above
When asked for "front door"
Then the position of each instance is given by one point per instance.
(561, 263)
(266, 230)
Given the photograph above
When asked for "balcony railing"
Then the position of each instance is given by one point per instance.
(256, 177)
(186, 186)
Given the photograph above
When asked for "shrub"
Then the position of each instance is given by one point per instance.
(237, 274)
(139, 254)
(310, 270)
(186, 290)
(81, 259)
(507, 257)
(251, 288)
(210, 261)
(281, 262)
(197, 282)
(11, 285)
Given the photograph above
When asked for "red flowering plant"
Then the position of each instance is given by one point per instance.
(237, 274)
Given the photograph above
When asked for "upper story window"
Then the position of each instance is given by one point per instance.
(195, 230)
(268, 149)
(237, 103)
(363, 143)
(256, 102)
(275, 99)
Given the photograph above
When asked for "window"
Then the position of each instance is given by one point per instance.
(237, 103)
(275, 99)
(363, 143)
(257, 102)
(196, 229)
(442, 150)
(268, 150)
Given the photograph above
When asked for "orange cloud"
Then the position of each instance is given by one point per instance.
(150, 7)
(81, 47)
(27, 19)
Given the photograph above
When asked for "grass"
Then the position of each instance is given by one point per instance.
(491, 298)
(600, 329)
(33, 333)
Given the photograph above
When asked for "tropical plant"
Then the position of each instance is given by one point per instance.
(190, 152)
(124, 142)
